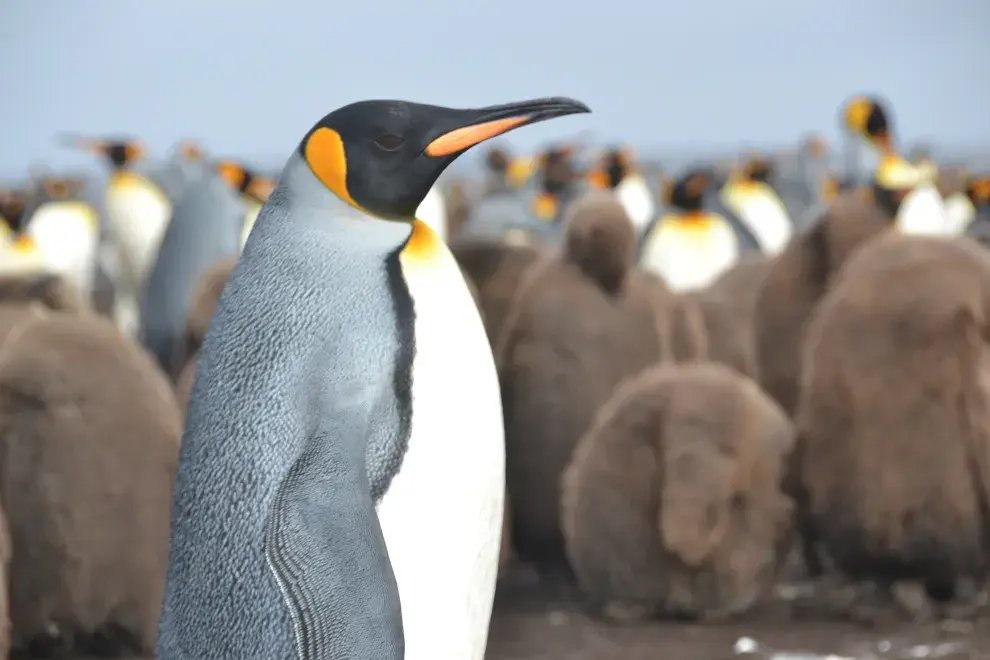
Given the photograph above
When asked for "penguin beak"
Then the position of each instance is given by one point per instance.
(475, 126)
(232, 173)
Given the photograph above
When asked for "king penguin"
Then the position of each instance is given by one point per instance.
(138, 211)
(66, 230)
(344, 366)
(252, 188)
(978, 195)
(920, 208)
(206, 227)
(691, 246)
(615, 171)
(750, 195)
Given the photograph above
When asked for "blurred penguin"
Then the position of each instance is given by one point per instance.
(750, 195)
(978, 195)
(690, 247)
(905, 189)
(501, 211)
(66, 230)
(13, 204)
(252, 188)
(187, 164)
(207, 226)
(138, 212)
(616, 171)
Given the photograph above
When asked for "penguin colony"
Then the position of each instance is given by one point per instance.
(330, 408)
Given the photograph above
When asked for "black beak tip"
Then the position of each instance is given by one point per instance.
(568, 106)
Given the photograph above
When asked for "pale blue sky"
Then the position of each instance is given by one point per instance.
(249, 77)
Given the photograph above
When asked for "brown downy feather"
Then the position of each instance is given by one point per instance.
(672, 503)
(204, 303)
(600, 240)
(5, 550)
(797, 279)
(51, 291)
(728, 308)
(90, 438)
(566, 343)
(890, 473)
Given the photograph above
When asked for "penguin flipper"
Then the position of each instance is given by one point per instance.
(326, 548)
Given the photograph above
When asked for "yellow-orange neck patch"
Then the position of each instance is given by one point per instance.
(545, 206)
(598, 179)
(424, 244)
(325, 155)
(693, 221)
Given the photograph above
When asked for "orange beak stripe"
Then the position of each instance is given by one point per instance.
(462, 138)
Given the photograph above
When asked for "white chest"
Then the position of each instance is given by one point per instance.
(138, 213)
(959, 211)
(923, 212)
(442, 515)
(636, 198)
(764, 214)
(67, 234)
(689, 258)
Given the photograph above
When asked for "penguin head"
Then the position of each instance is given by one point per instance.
(687, 193)
(757, 170)
(119, 152)
(245, 181)
(12, 207)
(383, 157)
(60, 189)
(868, 118)
(815, 145)
(191, 151)
(978, 191)
(557, 169)
(497, 161)
(613, 167)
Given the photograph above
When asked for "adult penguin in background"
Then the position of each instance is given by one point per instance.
(690, 247)
(137, 212)
(750, 195)
(13, 205)
(66, 230)
(616, 171)
(978, 195)
(345, 362)
(908, 191)
(501, 211)
(206, 227)
(558, 184)
(252, 188)
(188, 163)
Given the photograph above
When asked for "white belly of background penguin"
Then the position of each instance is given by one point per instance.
(67, 234)
(340, 483)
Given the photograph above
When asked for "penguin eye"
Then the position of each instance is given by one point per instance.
(389, 142)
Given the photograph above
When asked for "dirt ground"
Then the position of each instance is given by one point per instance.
(535, 622)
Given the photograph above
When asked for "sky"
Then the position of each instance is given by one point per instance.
(248, 78)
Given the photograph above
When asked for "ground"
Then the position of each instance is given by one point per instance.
(535, 622)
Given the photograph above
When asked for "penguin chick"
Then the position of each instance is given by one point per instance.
(345, 363)
(582, 320)
(891, 472)
(90, 440)
(52, 291)
(728, 308)
(672, 503)
(796, 281)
